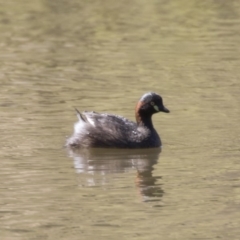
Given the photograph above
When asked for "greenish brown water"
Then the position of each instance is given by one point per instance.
(102, 56)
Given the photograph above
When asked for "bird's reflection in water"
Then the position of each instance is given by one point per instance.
(95, 165)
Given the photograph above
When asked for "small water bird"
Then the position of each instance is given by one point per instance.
(103, 130)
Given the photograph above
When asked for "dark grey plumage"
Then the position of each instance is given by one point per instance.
(111, 131)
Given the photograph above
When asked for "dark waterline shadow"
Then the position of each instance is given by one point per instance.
(102, 162)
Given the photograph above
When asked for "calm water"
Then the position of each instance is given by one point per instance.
(102, 56)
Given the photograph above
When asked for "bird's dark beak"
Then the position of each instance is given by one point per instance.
(164, 109)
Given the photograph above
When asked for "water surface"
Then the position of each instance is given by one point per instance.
(102, 56)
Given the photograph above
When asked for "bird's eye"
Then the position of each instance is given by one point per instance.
(152, 103)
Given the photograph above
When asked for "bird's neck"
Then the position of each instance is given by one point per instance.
(143, 120)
